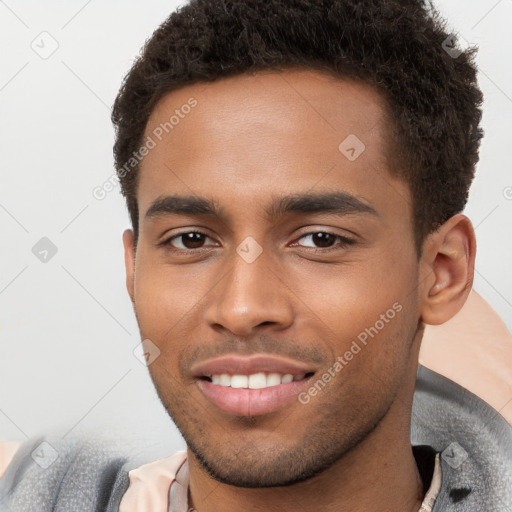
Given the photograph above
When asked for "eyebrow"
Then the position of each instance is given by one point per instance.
(340, 203)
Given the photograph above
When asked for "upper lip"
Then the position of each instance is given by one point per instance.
(238, 365)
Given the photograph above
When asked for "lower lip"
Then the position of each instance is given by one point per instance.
(251, 402)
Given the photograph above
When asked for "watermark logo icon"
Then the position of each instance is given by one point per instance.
(249, 250)
(454, 45)
(44, 250)
(45, 455)
(454, 455)
(45, 45)
(146, 352)
(352, 147)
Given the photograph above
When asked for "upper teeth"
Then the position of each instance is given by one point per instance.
(255, 380)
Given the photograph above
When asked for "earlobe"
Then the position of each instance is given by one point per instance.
(447, 262)
(129, 262)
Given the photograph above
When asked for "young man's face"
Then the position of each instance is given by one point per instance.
(256, 284)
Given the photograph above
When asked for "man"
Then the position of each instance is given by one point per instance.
(295, 172)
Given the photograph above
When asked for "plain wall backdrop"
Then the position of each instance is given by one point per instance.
(67, 327)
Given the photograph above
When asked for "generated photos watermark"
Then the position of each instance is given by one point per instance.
(356, 346)
(101, 191)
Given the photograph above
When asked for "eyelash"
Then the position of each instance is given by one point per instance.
(345, 241)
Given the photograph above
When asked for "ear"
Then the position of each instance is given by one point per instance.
(129, 262)
(447, 269)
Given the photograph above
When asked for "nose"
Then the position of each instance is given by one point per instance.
(249, 296)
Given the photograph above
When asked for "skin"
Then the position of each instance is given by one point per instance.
(251, 139)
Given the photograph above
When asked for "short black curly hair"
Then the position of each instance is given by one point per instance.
(400, 47)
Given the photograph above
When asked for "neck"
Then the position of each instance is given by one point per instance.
(380, 473)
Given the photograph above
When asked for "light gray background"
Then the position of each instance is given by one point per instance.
(67, 327)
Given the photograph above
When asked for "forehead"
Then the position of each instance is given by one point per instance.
(243, 137)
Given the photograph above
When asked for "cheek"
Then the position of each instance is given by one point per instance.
(386, 308)
(348, 298)
(368, 315)
(371, 358)
(167, 297)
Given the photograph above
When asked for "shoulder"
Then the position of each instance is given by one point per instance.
(150, 484)
(7, 451)
(76, 474)
(473, 349)
(474, 440)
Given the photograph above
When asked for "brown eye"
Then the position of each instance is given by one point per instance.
(323, 239)
(188, 240)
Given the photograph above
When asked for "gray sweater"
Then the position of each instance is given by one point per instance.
(76, 475)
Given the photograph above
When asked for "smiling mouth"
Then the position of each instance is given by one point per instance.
(259, 380)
